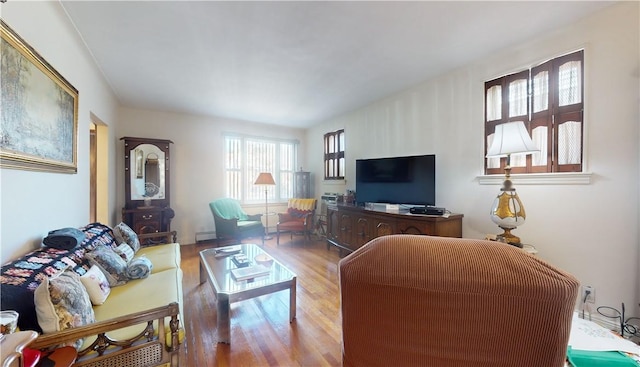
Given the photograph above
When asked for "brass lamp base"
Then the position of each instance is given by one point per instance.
(509, 238)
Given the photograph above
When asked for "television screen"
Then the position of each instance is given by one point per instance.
(397, 180)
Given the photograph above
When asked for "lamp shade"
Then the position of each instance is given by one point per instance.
(511, 138)
(264, 178)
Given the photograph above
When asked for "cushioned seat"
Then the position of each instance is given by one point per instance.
(162, 257)
(297, 219)
(137, 296)
(409, 300)
(233, 223)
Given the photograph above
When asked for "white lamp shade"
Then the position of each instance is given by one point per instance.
(511, 138)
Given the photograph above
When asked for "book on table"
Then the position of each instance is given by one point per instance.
(249, 272)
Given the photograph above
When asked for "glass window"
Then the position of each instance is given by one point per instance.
(246, 157)
(334, 155)
(549, 98)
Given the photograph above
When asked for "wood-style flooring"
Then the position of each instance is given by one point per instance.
(261, 334)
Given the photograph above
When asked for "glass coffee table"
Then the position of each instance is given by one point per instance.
(216, 266)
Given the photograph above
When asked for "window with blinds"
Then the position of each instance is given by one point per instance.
(246, 156)
(549, 98)
(334, 155)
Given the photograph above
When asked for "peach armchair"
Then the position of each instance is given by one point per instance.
(409, 300)
(297, 219)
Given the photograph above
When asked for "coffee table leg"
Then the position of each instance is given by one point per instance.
(202, 277)
(292, 300)
(224, 319)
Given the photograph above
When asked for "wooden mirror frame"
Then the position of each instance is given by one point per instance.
(130, 145)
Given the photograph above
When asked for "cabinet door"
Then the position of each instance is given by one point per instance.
(333, 224)
(383, 227)
(302, 185)
(362, 232)
(344, 236)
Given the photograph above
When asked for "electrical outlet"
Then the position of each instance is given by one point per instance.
(588, 294)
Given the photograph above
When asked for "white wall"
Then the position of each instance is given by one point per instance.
(197, 166)
(33, 203)
(588, 230)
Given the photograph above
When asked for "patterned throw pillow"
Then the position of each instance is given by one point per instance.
(62, 303)
(111, 264)
(125, 251)
(124, 233)
(96, 284)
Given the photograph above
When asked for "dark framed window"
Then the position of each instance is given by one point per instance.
(334, 155)
(549, 98)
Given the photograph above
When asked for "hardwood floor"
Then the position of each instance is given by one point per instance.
(261, 334)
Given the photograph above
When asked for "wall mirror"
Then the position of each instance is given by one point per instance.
(147, 171)
(149, 167)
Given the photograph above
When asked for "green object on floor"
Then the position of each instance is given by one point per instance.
(587, 358)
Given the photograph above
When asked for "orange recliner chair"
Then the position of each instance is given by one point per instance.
(409, 300)
(297, 219)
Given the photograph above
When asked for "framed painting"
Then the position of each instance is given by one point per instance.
(39, 114)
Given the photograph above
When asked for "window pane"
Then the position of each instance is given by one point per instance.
(494, 103)
(233, 187)
(340, 147)
(541, 91)
(286, 185)
(287, 154)
(246, 158)
(539, 137)
(518, 97)
(519, 160)
(492, 162)
(332, 144)
(569, 83)
(234, 153)
(341, 167)
(569, 141)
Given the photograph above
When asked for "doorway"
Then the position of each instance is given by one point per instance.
(98, 171)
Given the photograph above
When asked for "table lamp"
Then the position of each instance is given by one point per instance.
(507, 210)
(265, 178)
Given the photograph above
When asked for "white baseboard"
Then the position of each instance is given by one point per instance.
(204, 236)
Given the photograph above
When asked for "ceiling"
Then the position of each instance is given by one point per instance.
(295, 63)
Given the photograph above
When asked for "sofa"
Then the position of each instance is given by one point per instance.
(409, 300)
(138, 320)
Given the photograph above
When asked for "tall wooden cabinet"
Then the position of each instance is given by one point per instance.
(147, 185)
(349, 227)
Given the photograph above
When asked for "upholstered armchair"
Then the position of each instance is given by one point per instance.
(233, 223)
(297, 219)
(409, 300)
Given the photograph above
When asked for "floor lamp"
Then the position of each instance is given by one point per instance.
(265, 178)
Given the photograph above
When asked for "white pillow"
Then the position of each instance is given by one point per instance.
(96, 284)
(125, 251)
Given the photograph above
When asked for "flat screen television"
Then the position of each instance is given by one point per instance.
(398, 180)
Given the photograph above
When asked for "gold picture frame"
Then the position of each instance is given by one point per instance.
(39, 115)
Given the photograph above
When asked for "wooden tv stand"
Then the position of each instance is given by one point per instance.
(349, 227)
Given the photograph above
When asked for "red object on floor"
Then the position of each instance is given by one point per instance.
(60, 357)
(30, 357)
